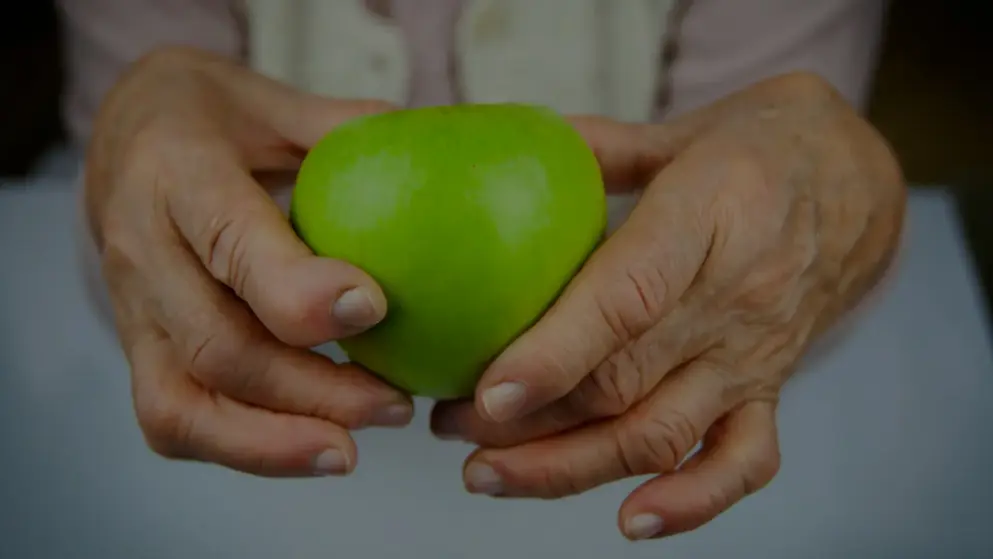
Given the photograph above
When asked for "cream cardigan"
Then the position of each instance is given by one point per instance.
(630, 59)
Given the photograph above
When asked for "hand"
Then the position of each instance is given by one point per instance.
(215, 298)
(769, 214)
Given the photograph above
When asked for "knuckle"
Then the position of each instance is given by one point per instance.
(746, 191)
(719, 499)
(728, 385)
(638, 298)
(560, 480)
(628, 317)
(166, 426)
(763, 469)
(661, 439)
(770, 292)
(628, 464)
(353, 414)
(148, 146)
(222, 246)
(648, 287)
(753, 187)
(613, 387)
(120, 256)
(547, 479)
(130, 180)
(210, 353)
(156, 151)
(213, 354)
(766, 349)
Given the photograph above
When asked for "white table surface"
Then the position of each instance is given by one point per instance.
(887, 438)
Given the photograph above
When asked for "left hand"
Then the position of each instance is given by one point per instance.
(767, 215)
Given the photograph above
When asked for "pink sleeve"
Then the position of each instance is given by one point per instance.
(102, 37)
(718, 46)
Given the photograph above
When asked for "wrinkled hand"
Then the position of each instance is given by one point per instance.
(216, 300)
(767, 215)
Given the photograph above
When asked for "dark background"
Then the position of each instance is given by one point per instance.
(30, 82)
(931, 100)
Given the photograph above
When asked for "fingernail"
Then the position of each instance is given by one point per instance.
(481, 478)
(331, 462)
(396, 415)
(504, 400)
(643, 526)
(357, 307)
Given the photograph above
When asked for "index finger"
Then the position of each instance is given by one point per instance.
(629, 154)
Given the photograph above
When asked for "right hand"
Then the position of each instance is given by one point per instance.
(217, 302)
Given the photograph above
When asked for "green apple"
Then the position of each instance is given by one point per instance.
(472, 219)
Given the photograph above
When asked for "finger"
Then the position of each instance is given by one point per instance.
(653, 437)
(632, 154)
(739, 459)
(305, 118)
(245, 241)
(182, 420)
(619, 382)
(299, 117)
(629, 154)
(228, 350)
(634, 280)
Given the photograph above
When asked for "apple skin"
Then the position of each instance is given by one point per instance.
(471, 218)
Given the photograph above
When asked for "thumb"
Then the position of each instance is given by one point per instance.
(633, 280)
(244, 240)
